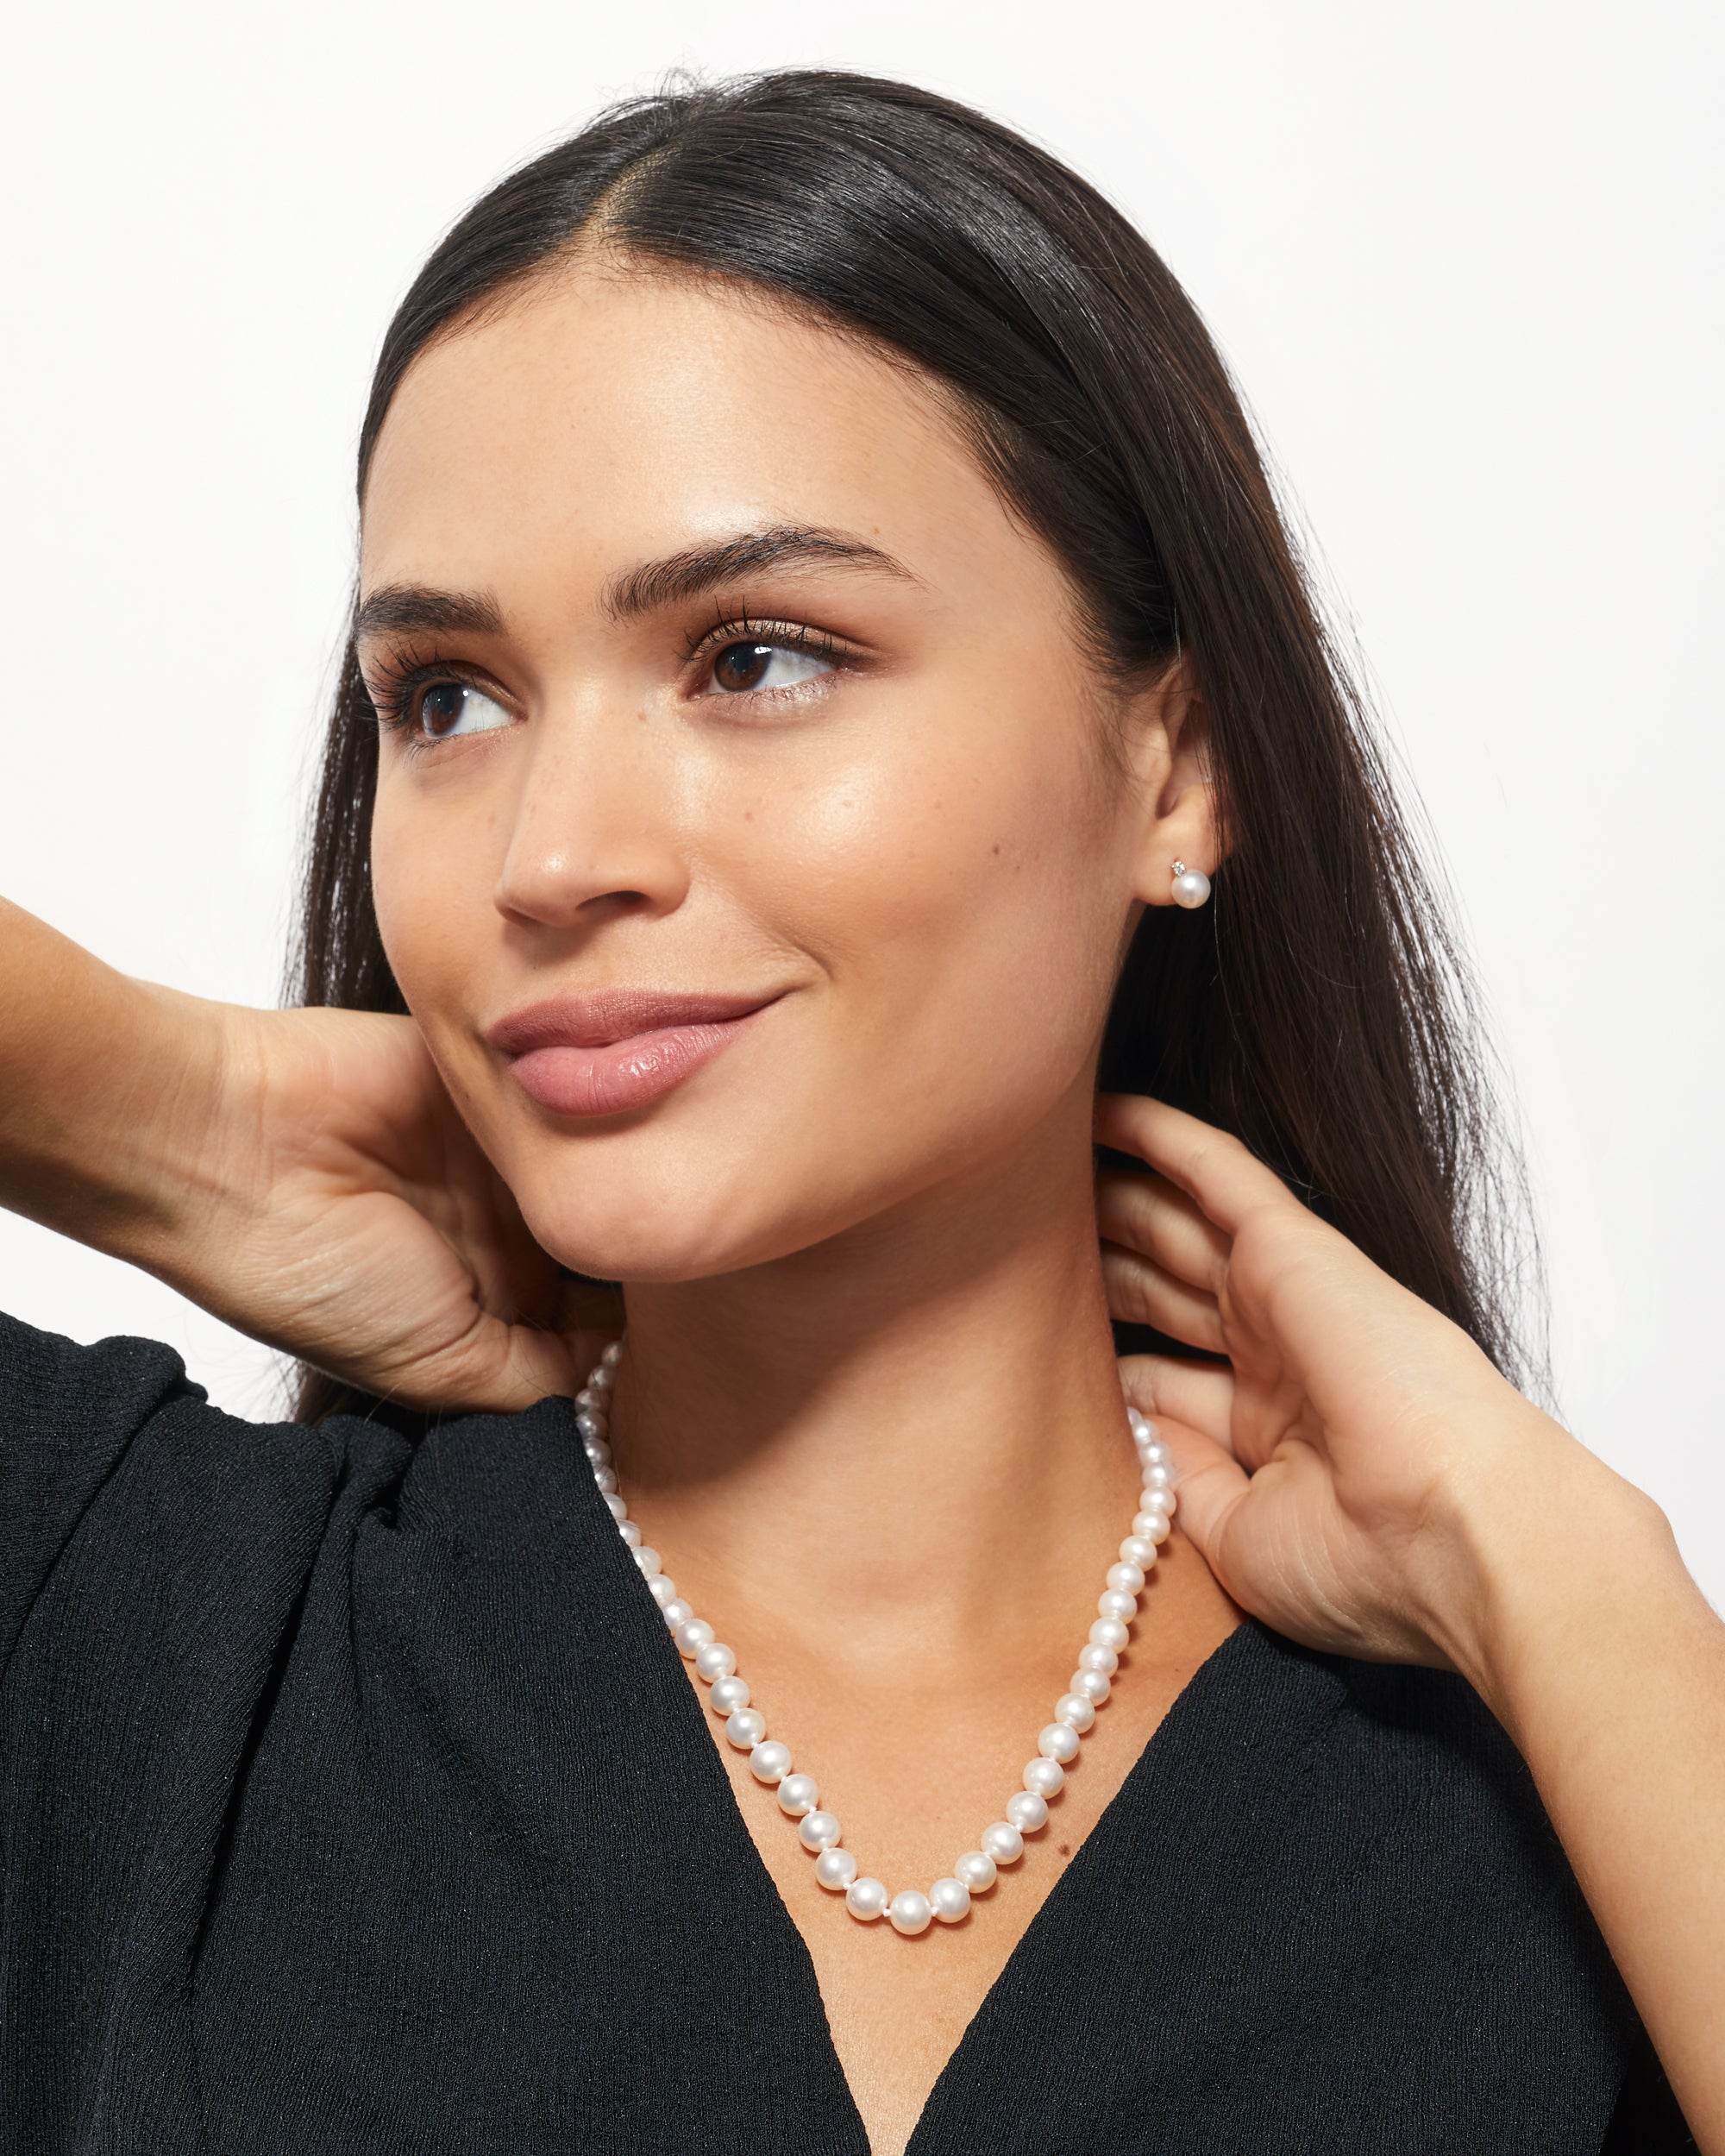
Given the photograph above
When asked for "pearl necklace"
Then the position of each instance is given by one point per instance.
(1025, 1810)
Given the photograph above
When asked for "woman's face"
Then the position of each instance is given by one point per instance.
(748, 843)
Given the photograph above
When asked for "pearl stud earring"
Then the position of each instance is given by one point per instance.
(1191, 886)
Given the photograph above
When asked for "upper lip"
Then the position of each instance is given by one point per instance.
(604, 1016)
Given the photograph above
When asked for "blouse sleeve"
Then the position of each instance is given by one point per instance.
(116, 1472)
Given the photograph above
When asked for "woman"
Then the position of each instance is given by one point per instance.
(828, 678)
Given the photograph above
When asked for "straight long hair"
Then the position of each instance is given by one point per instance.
(1319, 1007)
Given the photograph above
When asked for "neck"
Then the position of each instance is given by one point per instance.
(883, 1429)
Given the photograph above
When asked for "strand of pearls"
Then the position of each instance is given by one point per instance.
(1024, 1811)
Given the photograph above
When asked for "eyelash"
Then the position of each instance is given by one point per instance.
(398, 676)
(788, 636)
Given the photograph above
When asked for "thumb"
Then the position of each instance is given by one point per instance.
(1208, 1480)
(495, 1369)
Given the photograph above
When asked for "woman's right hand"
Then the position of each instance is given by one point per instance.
(345, 1213)
(303, 1174)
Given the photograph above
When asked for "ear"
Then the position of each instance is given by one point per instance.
(1166, 732)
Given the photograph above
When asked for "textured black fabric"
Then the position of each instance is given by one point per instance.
(353, 1799)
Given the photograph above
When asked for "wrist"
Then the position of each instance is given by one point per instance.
(114, 1111)
(1529, 1556)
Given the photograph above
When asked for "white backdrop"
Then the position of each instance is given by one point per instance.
(1465, 262)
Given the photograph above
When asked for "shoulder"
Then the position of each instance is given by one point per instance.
(1412, 1760)
(1383, 1822)
(121, 1485)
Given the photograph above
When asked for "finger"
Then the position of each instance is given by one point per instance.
(1208, 1482)
(1147, 1214)
(1201, 1395)
(1141, 1293)
(494, 1368)
(1226, 1181)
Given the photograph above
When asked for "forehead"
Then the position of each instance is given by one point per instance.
(603, 416)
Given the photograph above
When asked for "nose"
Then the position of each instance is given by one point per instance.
(594, 834)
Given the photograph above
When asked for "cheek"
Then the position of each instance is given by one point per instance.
(425, 886)
(967, 906)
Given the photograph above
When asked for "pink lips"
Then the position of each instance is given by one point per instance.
(617, 1048)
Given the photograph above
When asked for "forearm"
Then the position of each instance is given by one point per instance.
(104, 1084)
(1603, 1662)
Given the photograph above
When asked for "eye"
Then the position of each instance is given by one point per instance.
(446, 708)
(747, 665)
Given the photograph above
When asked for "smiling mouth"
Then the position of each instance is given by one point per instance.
(615, 1049)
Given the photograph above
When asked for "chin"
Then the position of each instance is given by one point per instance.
(659, 1231)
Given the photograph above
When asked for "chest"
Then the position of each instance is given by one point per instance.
(479, 1894)
(447, 1861)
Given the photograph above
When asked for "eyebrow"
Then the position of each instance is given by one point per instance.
(403, 609)
(699, 570)
(424, 609)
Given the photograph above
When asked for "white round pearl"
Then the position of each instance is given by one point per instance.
(678, 1612)
(606, 1479)
(798, 1794)
(716, 1660)
(1153, 1526)
(691, 1636)
(663, 1589)
(1140, 1550)
(1074, 1710)
(1129, 1578)
(866, 1899)
(1102, 1659)
(770, 1762)
(1116, 1602)
(1192, 888)
(1108, 1632)
(1138, 1420)
(746, 1727)
(612, 1356)
(909, 1912)
(615, 1505)
(1044, 1777)
(648, 1558)
(1002, 1841)
(820, 1831)
(1091, 1684)
(835, 1869)
(590, 1425)
(974, 1870)
(630, 1532)
(590, 1396)
(1059, 1740)
(728, 1694)
(1159, 1478)
(950, 1899)
(1026, 1811)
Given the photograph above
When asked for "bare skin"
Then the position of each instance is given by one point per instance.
(868, 1408)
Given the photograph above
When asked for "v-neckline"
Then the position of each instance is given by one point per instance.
(1019, 1971)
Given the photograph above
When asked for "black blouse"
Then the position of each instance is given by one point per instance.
(353, 1798)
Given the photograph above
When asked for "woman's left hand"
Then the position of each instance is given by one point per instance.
(1358, 1474)
(1332, 1470)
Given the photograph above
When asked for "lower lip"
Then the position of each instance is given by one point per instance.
(624, 1074)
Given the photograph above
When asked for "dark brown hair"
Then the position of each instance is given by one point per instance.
(1318, 1007)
